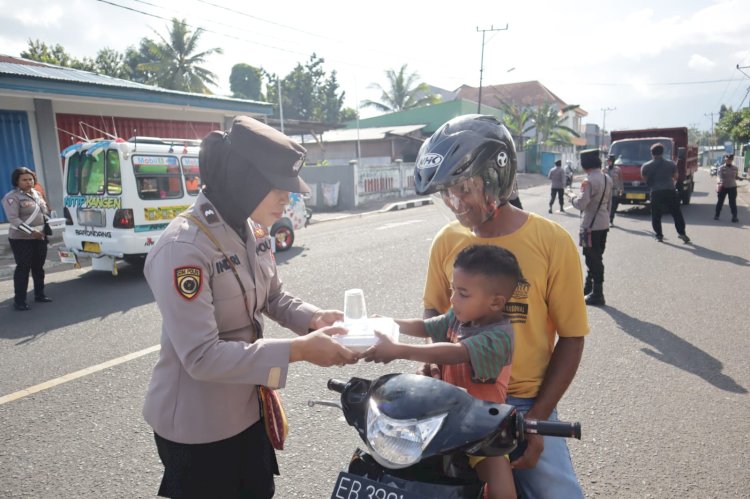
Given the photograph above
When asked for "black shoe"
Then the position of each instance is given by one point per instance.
(42, 299)
(550, 210)
(716, 217)
(595, 300)
(659, 238)
(685, 238)
(735, 220)
(562, 209)
(21, 306)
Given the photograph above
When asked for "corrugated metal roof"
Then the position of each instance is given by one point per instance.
(20, 74)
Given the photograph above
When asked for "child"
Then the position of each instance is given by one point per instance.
(473, 342)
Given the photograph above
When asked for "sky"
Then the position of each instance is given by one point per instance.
(634, 64)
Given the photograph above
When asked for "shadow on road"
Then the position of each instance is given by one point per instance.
(92, 295)
(671, 349)
(704, 252)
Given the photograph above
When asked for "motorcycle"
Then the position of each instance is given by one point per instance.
(418, 431)
(568, 176)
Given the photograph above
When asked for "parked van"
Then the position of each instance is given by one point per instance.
(120, 195)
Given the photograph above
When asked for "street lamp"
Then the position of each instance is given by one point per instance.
(604, 120)
(481, 63)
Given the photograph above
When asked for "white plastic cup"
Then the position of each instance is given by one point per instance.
(355, 311)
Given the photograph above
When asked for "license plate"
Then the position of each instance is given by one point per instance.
(91, 217)
(635, 195)
(350, 486)
(92, 247)
(66, 256)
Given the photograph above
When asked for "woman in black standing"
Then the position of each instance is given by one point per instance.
(26, 212)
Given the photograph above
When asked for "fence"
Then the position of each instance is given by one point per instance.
(355, 184)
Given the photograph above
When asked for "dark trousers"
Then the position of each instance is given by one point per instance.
(595, 256)
(725, 192)
(556, 192)
(30, 255)
(615, 204)
(666, 201)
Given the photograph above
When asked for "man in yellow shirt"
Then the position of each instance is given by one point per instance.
(471, 162)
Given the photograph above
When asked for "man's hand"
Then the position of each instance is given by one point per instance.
(431, 370)
(323, 318)
(529, 458)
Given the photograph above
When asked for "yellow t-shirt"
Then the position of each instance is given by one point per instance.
(551, 304)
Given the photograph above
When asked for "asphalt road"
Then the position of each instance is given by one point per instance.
(662, 392)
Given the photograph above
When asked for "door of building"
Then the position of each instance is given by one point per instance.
(15, 149)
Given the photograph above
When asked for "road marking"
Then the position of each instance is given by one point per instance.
(75, 375)
(397, 224)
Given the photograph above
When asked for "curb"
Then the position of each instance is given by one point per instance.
(402, 205)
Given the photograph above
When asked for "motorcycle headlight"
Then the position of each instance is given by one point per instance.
(397, 443)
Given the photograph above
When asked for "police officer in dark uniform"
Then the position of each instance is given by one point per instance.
(594, 200)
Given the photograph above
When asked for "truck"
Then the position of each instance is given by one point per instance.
(632, 148)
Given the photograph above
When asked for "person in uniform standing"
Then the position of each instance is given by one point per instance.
(618, 186)
(661, 175)
(726, 186)
(26, 211)
(557, 188)
(594, 201)
(214, 278)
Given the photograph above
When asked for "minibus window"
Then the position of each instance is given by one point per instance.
(114, 179)
(192, 175)
(92, 174)
(157, 177)
(74, 169)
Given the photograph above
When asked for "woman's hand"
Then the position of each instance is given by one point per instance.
(320, 349)
(323, 318)
(37, 235)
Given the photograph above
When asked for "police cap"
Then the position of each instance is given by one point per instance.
(274, 155)
(558, 162)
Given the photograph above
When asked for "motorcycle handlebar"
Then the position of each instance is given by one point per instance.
(336, 385)
(553, 428)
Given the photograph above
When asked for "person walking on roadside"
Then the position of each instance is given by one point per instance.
(594, 201)
(661, 175)
(557, 187)
(726, 186)
(618, 186)
(26, 211)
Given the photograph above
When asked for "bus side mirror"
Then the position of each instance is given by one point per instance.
(680, 153)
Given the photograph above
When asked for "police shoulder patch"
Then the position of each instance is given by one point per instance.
(188, 281)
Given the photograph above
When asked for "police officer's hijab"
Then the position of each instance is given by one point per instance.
(240, 167)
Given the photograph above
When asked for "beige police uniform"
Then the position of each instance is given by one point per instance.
(19, 207)
(203, 387)
(588, 200)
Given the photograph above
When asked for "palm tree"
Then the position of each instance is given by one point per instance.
(174, 64)
(518, 121)
(404, 92)
(549, 125)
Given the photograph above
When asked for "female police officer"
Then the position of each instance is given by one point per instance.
(214, 277)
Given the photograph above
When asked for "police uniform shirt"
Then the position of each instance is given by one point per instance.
(615, 173)
(18, 207)
(203, 387)
(557, 177)
(588, 199)
(727, 175)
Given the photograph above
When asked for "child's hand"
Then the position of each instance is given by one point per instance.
(383, 352)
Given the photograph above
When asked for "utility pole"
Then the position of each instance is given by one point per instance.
(711, 138)
(604, 120)
(481, 63)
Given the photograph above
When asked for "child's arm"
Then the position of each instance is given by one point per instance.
(438, 353)
(412, 327)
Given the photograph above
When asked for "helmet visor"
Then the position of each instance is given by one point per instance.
(469, 202)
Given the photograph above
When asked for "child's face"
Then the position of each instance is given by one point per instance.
(472, 297)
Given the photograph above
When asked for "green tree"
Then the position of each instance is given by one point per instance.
(404, 91)
(518, 121)
(174, 63)
(734, 125)
(548, 125)
(246, 82)
(307, 93)
(111, 63)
